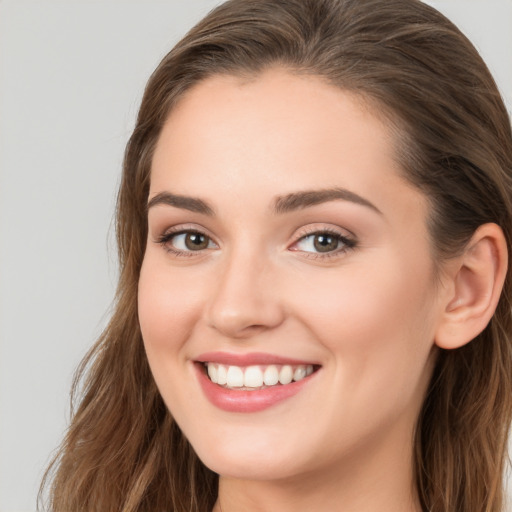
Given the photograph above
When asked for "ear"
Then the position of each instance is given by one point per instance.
(475, 280)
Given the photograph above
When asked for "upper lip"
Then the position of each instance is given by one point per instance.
(248, 359)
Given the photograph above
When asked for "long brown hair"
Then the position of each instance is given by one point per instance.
(123, 450)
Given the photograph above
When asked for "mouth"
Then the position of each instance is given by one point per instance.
(256, 377)
(251, 382)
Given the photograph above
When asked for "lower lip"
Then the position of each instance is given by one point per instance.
(232, 400)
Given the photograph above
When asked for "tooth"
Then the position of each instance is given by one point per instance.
(221, 375)
(271, 375)
(235, 377)
(253, 377)
(286, 374)
(309, 369)
(212, 372)
(299, 373)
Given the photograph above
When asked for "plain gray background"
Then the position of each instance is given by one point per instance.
(71, 77)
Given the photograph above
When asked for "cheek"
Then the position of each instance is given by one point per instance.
(379, 331)
(377, 320)
(168, 308)
(166, 317)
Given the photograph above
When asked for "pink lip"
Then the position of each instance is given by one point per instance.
(250, 359)
(232, 400)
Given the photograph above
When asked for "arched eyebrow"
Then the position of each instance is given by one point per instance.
(304, 199)
(192, 204)
(282, 204)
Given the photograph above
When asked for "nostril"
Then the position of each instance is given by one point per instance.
(244, 302)
(240, 326)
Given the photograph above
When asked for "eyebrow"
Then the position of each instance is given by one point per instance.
(299, 200)
(192, 204)
(282, 204)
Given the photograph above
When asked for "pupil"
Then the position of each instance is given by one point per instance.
(325, 243)
(196, 241)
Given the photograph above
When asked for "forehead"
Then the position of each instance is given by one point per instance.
(276, 133)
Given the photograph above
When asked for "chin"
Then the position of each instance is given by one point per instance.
(243, 468)
(256, 458)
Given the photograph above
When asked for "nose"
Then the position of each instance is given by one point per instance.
(246, 300)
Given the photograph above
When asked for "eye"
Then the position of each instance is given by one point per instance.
(186, 242)
(322, 242)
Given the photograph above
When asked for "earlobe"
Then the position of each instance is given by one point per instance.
(476, 282)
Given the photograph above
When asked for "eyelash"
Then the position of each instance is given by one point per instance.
(346, 243)
(165, 239)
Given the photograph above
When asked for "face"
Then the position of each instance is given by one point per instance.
(287, 258)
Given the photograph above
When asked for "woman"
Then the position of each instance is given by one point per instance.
(313, 312)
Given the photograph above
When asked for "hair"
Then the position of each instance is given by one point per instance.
(123, 450)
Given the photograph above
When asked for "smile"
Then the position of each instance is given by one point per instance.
(248, 383)
(256, 377)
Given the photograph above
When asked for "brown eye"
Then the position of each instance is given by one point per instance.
(186, 242)
(196, 241)
(325, 242)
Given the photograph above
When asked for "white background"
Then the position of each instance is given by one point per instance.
(71, 78)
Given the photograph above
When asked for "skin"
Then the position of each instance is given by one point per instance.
(367, 314)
